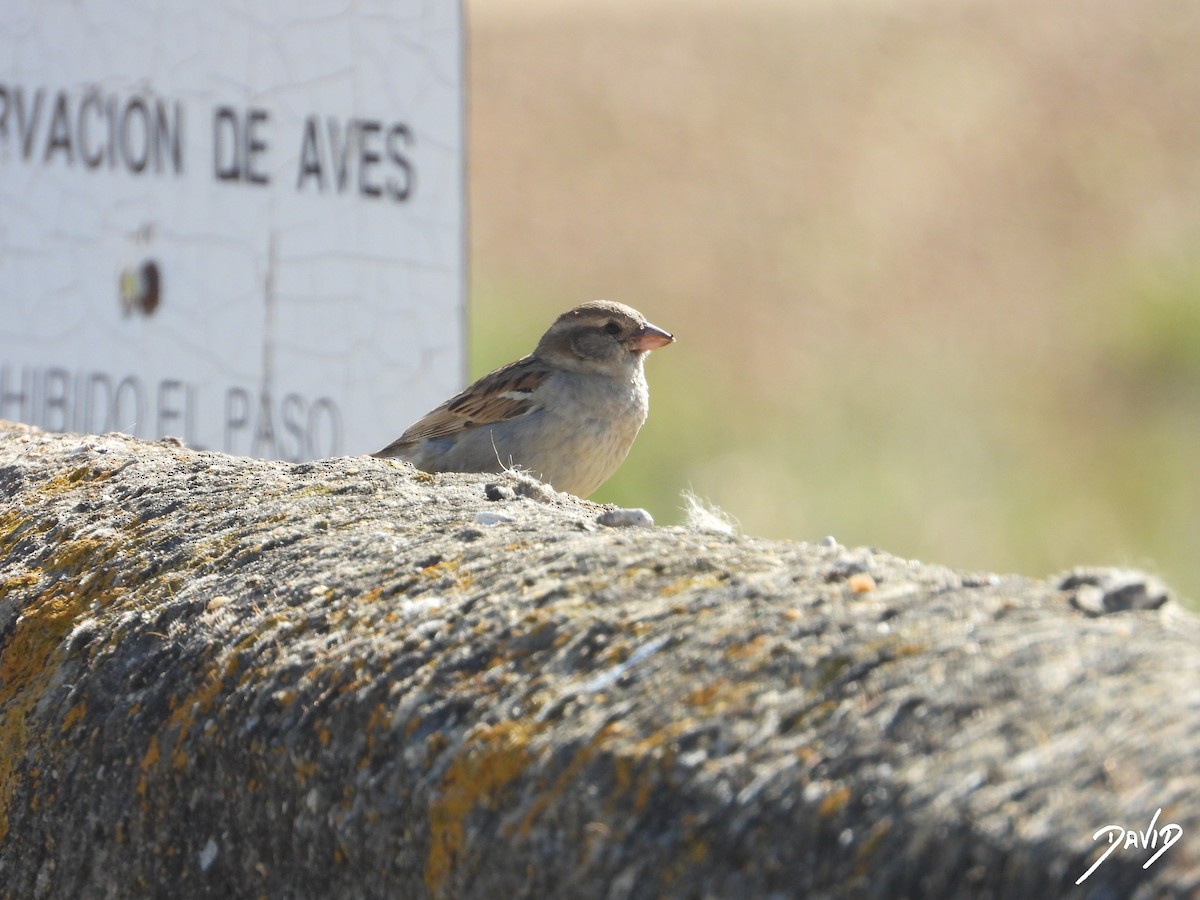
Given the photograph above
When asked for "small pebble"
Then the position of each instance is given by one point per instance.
(861, 582)
(1101, 591)
(625, 518)
(495, 491)
(491, 518)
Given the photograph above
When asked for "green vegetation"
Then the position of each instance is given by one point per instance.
(933, 268)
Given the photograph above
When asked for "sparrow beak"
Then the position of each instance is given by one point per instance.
(651, 337)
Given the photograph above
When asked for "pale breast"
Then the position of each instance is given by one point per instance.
(584, 434)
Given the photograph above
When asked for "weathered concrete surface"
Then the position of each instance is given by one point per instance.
(222, 677)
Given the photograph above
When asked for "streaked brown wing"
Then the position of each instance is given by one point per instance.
(496, 397)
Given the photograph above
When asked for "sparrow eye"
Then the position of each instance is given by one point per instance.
(611, 327)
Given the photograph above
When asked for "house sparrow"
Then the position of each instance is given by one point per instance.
(567, 413)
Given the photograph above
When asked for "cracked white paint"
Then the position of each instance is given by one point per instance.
(202, 204)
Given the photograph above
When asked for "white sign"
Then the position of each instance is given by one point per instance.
(237, 223)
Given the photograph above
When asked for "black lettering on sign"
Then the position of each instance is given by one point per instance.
(293, 425)
(255, 146)
(340, 144)
(27, 121)
(323, 436)
(310, 155)
(310, 430)
(237, 416)
(176, 408)
(264, 427)
(99, 389)
(56, 399)
(363, 155)
(143, 133)
(239, 143)
(129, 406)
(16, 395)
(60, 130)
(400, 189)
(168, 136)
(368, 158)
(91, 115)
(324, 152)
(226, 165)
(135, 134)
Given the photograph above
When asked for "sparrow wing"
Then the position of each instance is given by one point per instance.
(504, 394)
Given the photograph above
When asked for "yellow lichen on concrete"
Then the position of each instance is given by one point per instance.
(749, 649)
(199, 703)
(691, 582)
(27, 664)
(39, 630)
(492, 757)
(381, 716)
(704, 694)
(716, 697)
(834, 802)
(185, 712)
(695, 853)
(583, 756)
(867, 848)
(149, 760)
(639, 768)
(448, 569)
(74, 714)
(18, 582)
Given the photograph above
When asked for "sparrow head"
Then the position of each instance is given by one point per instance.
(601, 337)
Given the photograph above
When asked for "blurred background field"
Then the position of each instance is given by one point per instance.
(934, 265)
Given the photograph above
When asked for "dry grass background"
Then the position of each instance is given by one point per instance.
(934, 265)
